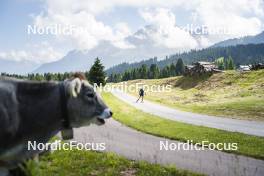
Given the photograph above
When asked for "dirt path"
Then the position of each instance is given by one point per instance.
(243, 126)
(140, 146)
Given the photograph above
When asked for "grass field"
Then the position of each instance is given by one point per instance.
(83, 163)
(230, 94)
(147, 123)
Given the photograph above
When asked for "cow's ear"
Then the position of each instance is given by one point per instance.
(74, 87)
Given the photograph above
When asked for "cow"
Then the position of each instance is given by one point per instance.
(36, 111)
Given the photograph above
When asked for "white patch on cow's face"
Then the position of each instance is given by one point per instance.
(87, 107)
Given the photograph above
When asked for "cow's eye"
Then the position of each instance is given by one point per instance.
(90, 95)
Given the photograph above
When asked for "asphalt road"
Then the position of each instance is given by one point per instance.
(136, 145)
(234, 125)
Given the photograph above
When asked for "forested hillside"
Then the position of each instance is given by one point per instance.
(241, 54)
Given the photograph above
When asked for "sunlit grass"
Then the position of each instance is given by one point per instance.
(83, 163)
(230, 94)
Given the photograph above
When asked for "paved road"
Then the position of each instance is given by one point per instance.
(243, 126)
(139, 146)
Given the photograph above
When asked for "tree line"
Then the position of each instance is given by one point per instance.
(96, 74)
(149, 72)
(154, 71)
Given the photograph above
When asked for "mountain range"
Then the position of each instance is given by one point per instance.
(143, 48)
(112, 55)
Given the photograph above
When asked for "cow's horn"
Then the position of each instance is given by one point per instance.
(75, 87)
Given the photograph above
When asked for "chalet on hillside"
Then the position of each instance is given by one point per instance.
(257, 66)
(201, 68)
(244, 68)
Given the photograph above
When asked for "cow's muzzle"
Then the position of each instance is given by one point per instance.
(106, 114)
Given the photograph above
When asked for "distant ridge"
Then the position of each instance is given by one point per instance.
(257, 39)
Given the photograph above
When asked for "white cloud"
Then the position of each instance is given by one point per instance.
(239, 18)
(83, 16)
(38, 53)
(243, 17)
(88, 32)
(121, 31)
(16, 55)
(165, 32)
(160, 16)
(102, 6)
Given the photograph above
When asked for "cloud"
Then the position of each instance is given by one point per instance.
(87, 31)
(96, 7)
(37, 53)
(238, 18)
(90, 31)
(121, 31)
(243, 17)
(163, 30)
(14, 55)
(161, 16)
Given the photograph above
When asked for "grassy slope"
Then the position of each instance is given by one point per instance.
(80, 162)
(126, 114)
(231, 94)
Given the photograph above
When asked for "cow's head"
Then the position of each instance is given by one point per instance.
(85, 106)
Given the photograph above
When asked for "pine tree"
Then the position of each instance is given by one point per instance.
(111, 78)
(134, 74)
(179, 67)
(172, 70)
(153, 71)
(96, 73)
(226, 61)
(143, 71)
(220, 63)
(126, 76)
(47, 76)
(221, 66)
(165, 72)
(231, 65)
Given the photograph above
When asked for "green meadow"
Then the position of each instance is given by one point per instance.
(231, 94)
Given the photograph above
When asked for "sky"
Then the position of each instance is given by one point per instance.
(93, 21)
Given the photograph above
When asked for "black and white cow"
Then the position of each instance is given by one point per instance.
(36, 111)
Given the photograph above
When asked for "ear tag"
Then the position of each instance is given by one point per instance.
(67, 134)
